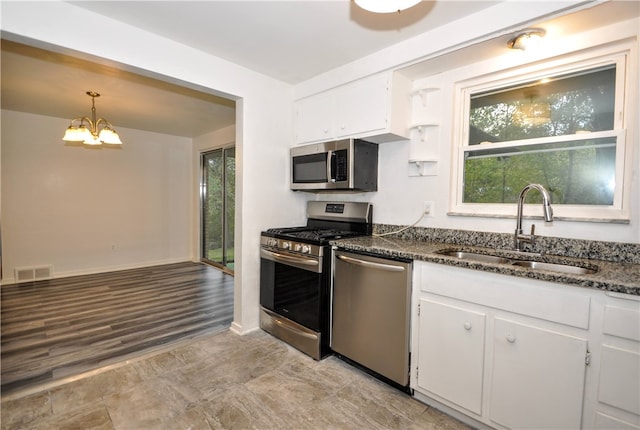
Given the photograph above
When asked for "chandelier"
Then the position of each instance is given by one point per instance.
(92, 131)
(386, 6)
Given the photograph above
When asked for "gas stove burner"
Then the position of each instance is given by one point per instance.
(287, 230)
(335, 234)
(325, 223)
(311, 234)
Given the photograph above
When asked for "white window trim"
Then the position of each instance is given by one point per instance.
(623, 55)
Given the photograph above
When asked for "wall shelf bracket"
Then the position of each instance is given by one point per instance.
(423, 167)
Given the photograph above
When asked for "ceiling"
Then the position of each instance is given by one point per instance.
(258, 35)
(289, 40)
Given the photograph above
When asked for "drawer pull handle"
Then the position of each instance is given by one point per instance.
(511, 338)
(467, 325)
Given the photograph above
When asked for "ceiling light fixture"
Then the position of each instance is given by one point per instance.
(526, 39)
(92, 131)
(386, 6)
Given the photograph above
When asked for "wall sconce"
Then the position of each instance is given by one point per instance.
(386, 6)
(526, 39)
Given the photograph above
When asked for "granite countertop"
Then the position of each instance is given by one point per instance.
(615, 276)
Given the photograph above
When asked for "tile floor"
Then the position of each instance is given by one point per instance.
(224, 381)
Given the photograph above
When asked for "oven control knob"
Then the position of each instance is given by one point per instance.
(297, 247)
(286, 245)
(272, 242)
(306, 249)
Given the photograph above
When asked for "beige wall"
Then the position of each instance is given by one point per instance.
(90, 210)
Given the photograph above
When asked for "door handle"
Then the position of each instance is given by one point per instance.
(371, 264)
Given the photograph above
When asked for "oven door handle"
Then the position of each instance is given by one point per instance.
(275, 256)
(370, 264)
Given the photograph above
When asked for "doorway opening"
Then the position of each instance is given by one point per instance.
(218, 207)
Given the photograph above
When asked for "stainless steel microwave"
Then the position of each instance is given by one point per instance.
(349, 164)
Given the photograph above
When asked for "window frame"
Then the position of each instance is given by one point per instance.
(621, 56)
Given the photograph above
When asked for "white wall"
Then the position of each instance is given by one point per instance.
(92, 210)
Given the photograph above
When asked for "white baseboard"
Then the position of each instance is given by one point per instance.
(239, 330)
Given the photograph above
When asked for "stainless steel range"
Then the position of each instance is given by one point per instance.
(295, 273)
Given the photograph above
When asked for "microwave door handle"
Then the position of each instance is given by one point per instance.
(331, 166)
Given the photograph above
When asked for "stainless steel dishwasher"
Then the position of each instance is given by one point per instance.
(371, 313)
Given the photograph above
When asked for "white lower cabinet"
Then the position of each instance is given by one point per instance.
(451, 352)
(537, 378)
(500, 351)
(618, 384)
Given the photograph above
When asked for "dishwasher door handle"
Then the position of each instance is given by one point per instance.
(370, 264)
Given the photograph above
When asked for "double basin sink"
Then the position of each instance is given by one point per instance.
(531, 264)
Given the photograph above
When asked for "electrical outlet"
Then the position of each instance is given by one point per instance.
(429, 208)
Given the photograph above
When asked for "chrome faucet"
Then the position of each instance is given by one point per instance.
(519, 238)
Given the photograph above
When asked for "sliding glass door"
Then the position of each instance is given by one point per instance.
(218, 207)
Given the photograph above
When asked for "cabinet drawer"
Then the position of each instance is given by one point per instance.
(537, 299)
(622, 322)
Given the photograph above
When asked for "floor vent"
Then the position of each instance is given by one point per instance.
(25, 274)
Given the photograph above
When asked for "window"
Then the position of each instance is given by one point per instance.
(560, 127)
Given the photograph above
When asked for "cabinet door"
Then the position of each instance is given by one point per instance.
(315, 117)
(451, 353)
(538, 377)
(363, 106)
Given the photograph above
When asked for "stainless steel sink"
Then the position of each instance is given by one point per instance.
(473, 256)
(530, 264)
(552, 267)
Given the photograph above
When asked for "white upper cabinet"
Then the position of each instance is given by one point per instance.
(363, 107)
(374, 108)
(314, 120)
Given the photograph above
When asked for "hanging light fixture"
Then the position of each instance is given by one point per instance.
(526, 39)
(386, 6)
(92, 131)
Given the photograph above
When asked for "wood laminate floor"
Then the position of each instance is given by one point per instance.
(55, 329)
